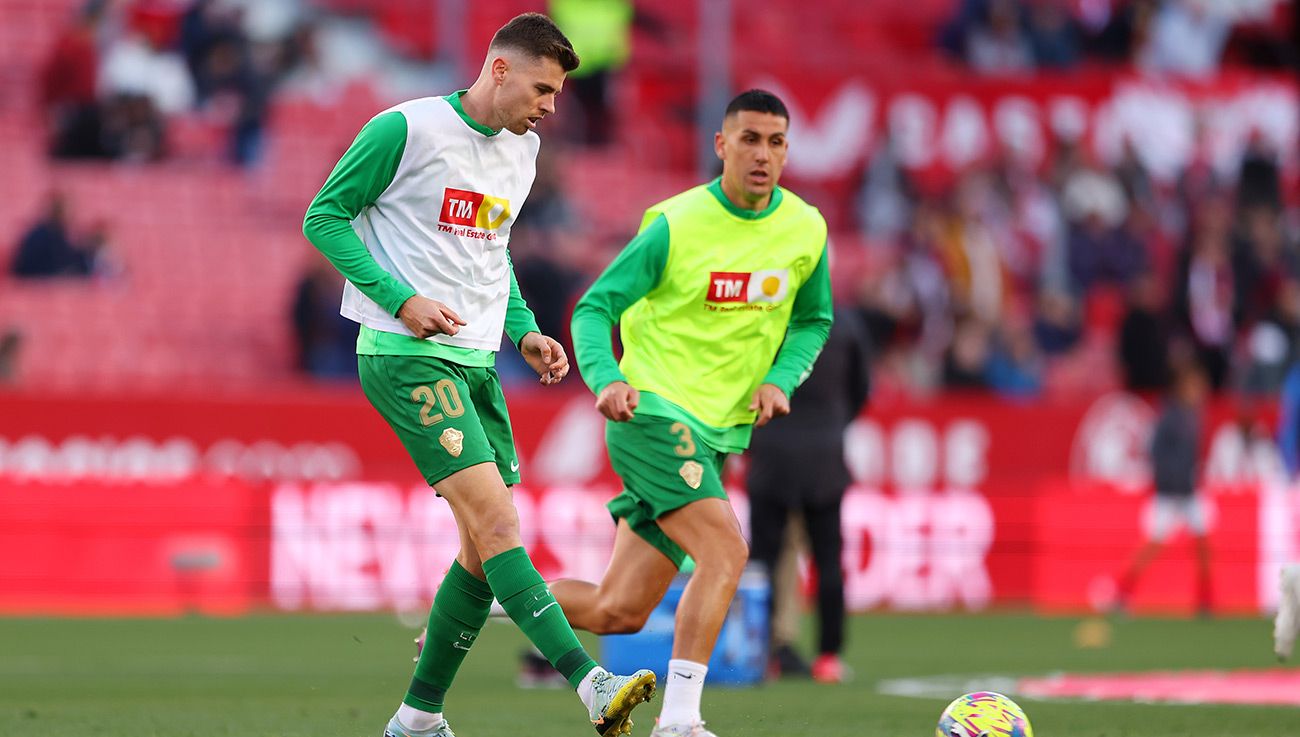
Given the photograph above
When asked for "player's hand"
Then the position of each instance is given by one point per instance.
(618, 400)
(770, 402)
(425, 317)
(546, 356)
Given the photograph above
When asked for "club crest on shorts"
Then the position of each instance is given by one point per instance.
(452, 441)
(692, 473)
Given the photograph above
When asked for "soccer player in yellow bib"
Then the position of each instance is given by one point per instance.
(723, 303)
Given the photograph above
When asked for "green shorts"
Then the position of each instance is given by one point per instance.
(448, 416)
(663, 468)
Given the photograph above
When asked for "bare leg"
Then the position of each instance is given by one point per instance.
(635, 582)
(707, 530)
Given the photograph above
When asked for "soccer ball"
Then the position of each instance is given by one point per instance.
(983, 714)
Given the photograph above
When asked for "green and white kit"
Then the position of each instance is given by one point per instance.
(422, 203)
(712, 301)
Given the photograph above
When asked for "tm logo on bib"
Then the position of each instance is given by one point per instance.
(748, 287)
(472, 214)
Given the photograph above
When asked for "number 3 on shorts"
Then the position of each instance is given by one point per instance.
(443, 393)
(686, 444)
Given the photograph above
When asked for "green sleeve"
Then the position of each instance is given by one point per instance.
(520, 320)
(360, 177)
(810, 324)
(628, 278)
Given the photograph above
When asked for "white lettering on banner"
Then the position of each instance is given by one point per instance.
(833, 142)
(1235, 457)
(1111, 442)
(916, 551)
(913, 448)
(367, 546)
(360, 546)
(955, 130)
(140, 458)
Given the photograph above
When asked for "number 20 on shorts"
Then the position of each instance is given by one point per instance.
(444, 394)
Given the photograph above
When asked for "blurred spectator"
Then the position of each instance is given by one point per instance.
(1014, 367)
(143, 64)
(327, 341)
(1144, 338)
(966, 363)
(1175, 447)
(11, 344)
(1262, 260)
(601, 33)
(132, 129)
(68, 86)
(48, 249)
(1099, 250)
(1259, 179)
(1187, 38)
(233, 84)
(1205, 292)
(1272, 346)
(975, 250)
(997, 43)
(797, 466)
(1057, 323)
(1053, 34)
(1126, 30)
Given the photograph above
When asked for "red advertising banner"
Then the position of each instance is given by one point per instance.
(304, 499)
(134, 548)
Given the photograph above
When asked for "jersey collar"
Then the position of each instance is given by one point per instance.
(454, 100)
(715, 188)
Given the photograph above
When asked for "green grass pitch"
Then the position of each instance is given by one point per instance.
(342, 676)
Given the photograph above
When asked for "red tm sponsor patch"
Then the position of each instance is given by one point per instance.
(460, 206)
(728, 286)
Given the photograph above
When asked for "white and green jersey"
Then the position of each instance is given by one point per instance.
(422, 203)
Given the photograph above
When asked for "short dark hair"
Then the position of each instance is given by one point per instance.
(758, 101)
(538, 36)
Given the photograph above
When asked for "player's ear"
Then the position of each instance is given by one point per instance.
(717, 144)
(499, 68)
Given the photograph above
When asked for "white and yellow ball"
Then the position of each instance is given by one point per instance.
(983, 714)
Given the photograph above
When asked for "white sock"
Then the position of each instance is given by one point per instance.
(418, 721)
(586, 691)
(682, 694)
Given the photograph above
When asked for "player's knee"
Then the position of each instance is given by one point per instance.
(726, 556)
(619, 618)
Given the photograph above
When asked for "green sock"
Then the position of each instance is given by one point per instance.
(529, 602)
(459, 610)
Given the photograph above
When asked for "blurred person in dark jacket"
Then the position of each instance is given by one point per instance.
(1144, 337)
(797, 466)
(48, 248)
(1175, 447)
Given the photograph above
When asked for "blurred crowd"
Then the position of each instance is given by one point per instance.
(1014, 277)
(121, 71)
(1183, 37)
(1008, 277)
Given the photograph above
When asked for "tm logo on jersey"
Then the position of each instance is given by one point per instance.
(471, 214)
(747, 290)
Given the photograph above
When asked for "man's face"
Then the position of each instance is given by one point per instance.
(752, 146)
(526, 90)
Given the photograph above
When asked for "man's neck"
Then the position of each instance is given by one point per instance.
(737, 198)
(477, 104)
